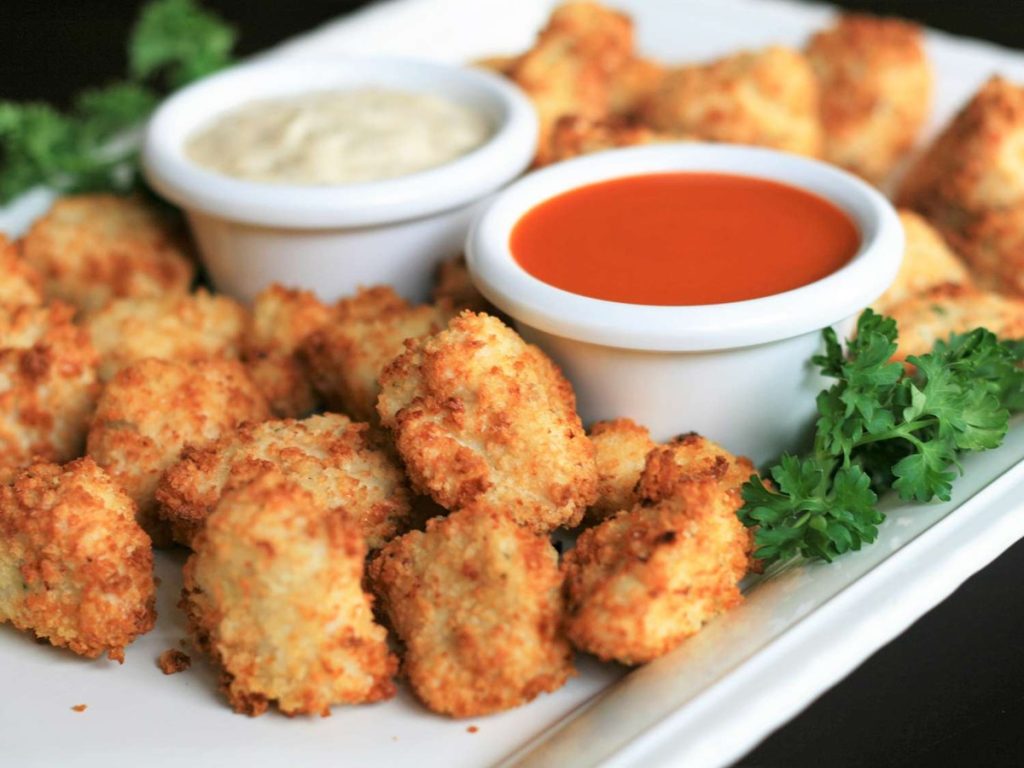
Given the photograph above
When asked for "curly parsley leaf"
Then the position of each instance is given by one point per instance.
(881, 427)
(178, 40)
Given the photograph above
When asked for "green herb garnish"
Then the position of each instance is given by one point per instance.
(94, 145)
(881, 428)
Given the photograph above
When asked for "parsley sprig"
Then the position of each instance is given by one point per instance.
(94, 145)
(881, 427)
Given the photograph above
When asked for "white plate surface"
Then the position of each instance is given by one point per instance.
(704, 705)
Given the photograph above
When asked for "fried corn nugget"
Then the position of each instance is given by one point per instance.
(182, 327)
(152, 409)
(934, 315)
(970, 185)
(75, 568)
(273, 594)
(328, 456)
(633, 85)
(479, 415)
(693, 457)
(927, 262)
(570, 68)
(573, 136)
(768, 98)
(91, 248)
(476, 602)
(643, 581)
(345, 358)
(876, 91)
(48, 385)
(19, 282)
(282, 319)
(621, 447)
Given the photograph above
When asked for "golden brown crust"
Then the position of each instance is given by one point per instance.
(621, 447)
(476, 602)
(48, 385)
(92, 248)
(20, 283)
(574, 135)
(933, 315)
(570, 68)
(876, 88)
(927, 262)
(453, 287)
(766, 98)
(633, 85)
(75, 568)
(328, 456)
(281, 320)
(273, 594)
(172, 661)
(151, 410)
(478, 415)
(345, 358)
(179, 327)
(643, 581)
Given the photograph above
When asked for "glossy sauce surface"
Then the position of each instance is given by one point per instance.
(683, 239)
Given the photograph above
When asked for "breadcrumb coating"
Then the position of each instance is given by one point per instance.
(151, 410)
(643, 581)
(75, 567)
(329, 456)
(346, 358)
(927, 262)
(933, 315)
(573, 136)
(453, 287)
(180, 327)
(48, 385)
(970, 185)
(767, 98)
(92, 248)
(20, 283)
(281, 320)
(478, 415)
(693, 457)
(633, 85)
(570, 69)
(273, 594)
(621, 447)
(876, 91)
(476, 602)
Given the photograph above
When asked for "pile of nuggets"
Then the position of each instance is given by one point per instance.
(369, 489)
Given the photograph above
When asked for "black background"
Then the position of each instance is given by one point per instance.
(950, 691)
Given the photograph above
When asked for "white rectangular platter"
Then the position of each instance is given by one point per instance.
(705, 704)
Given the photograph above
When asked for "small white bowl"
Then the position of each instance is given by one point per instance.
(332, 239)
(739, 372)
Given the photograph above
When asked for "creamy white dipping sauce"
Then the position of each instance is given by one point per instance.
(338, 137)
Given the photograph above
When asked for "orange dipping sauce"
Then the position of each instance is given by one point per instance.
(675, 239)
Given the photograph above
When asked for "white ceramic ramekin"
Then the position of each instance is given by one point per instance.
(739, 372)
(332, 239)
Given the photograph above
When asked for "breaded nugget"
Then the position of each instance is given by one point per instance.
(621, 447)
(693, 457)
(970, 185)
(476, 602)
(643, 581)
(329, 456)
(570, 68)
(48, 385)
(92, 248)
(180, 327)
(75, 567)
(478, 415)
(573, 136)
(876, 91)
(154, 408)
(768, 98)
(273, 593)
(927, 262)
(633, 85)
(346, 357)
(19, 282)
(935, 314)
(281, 320)
(453, 287)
